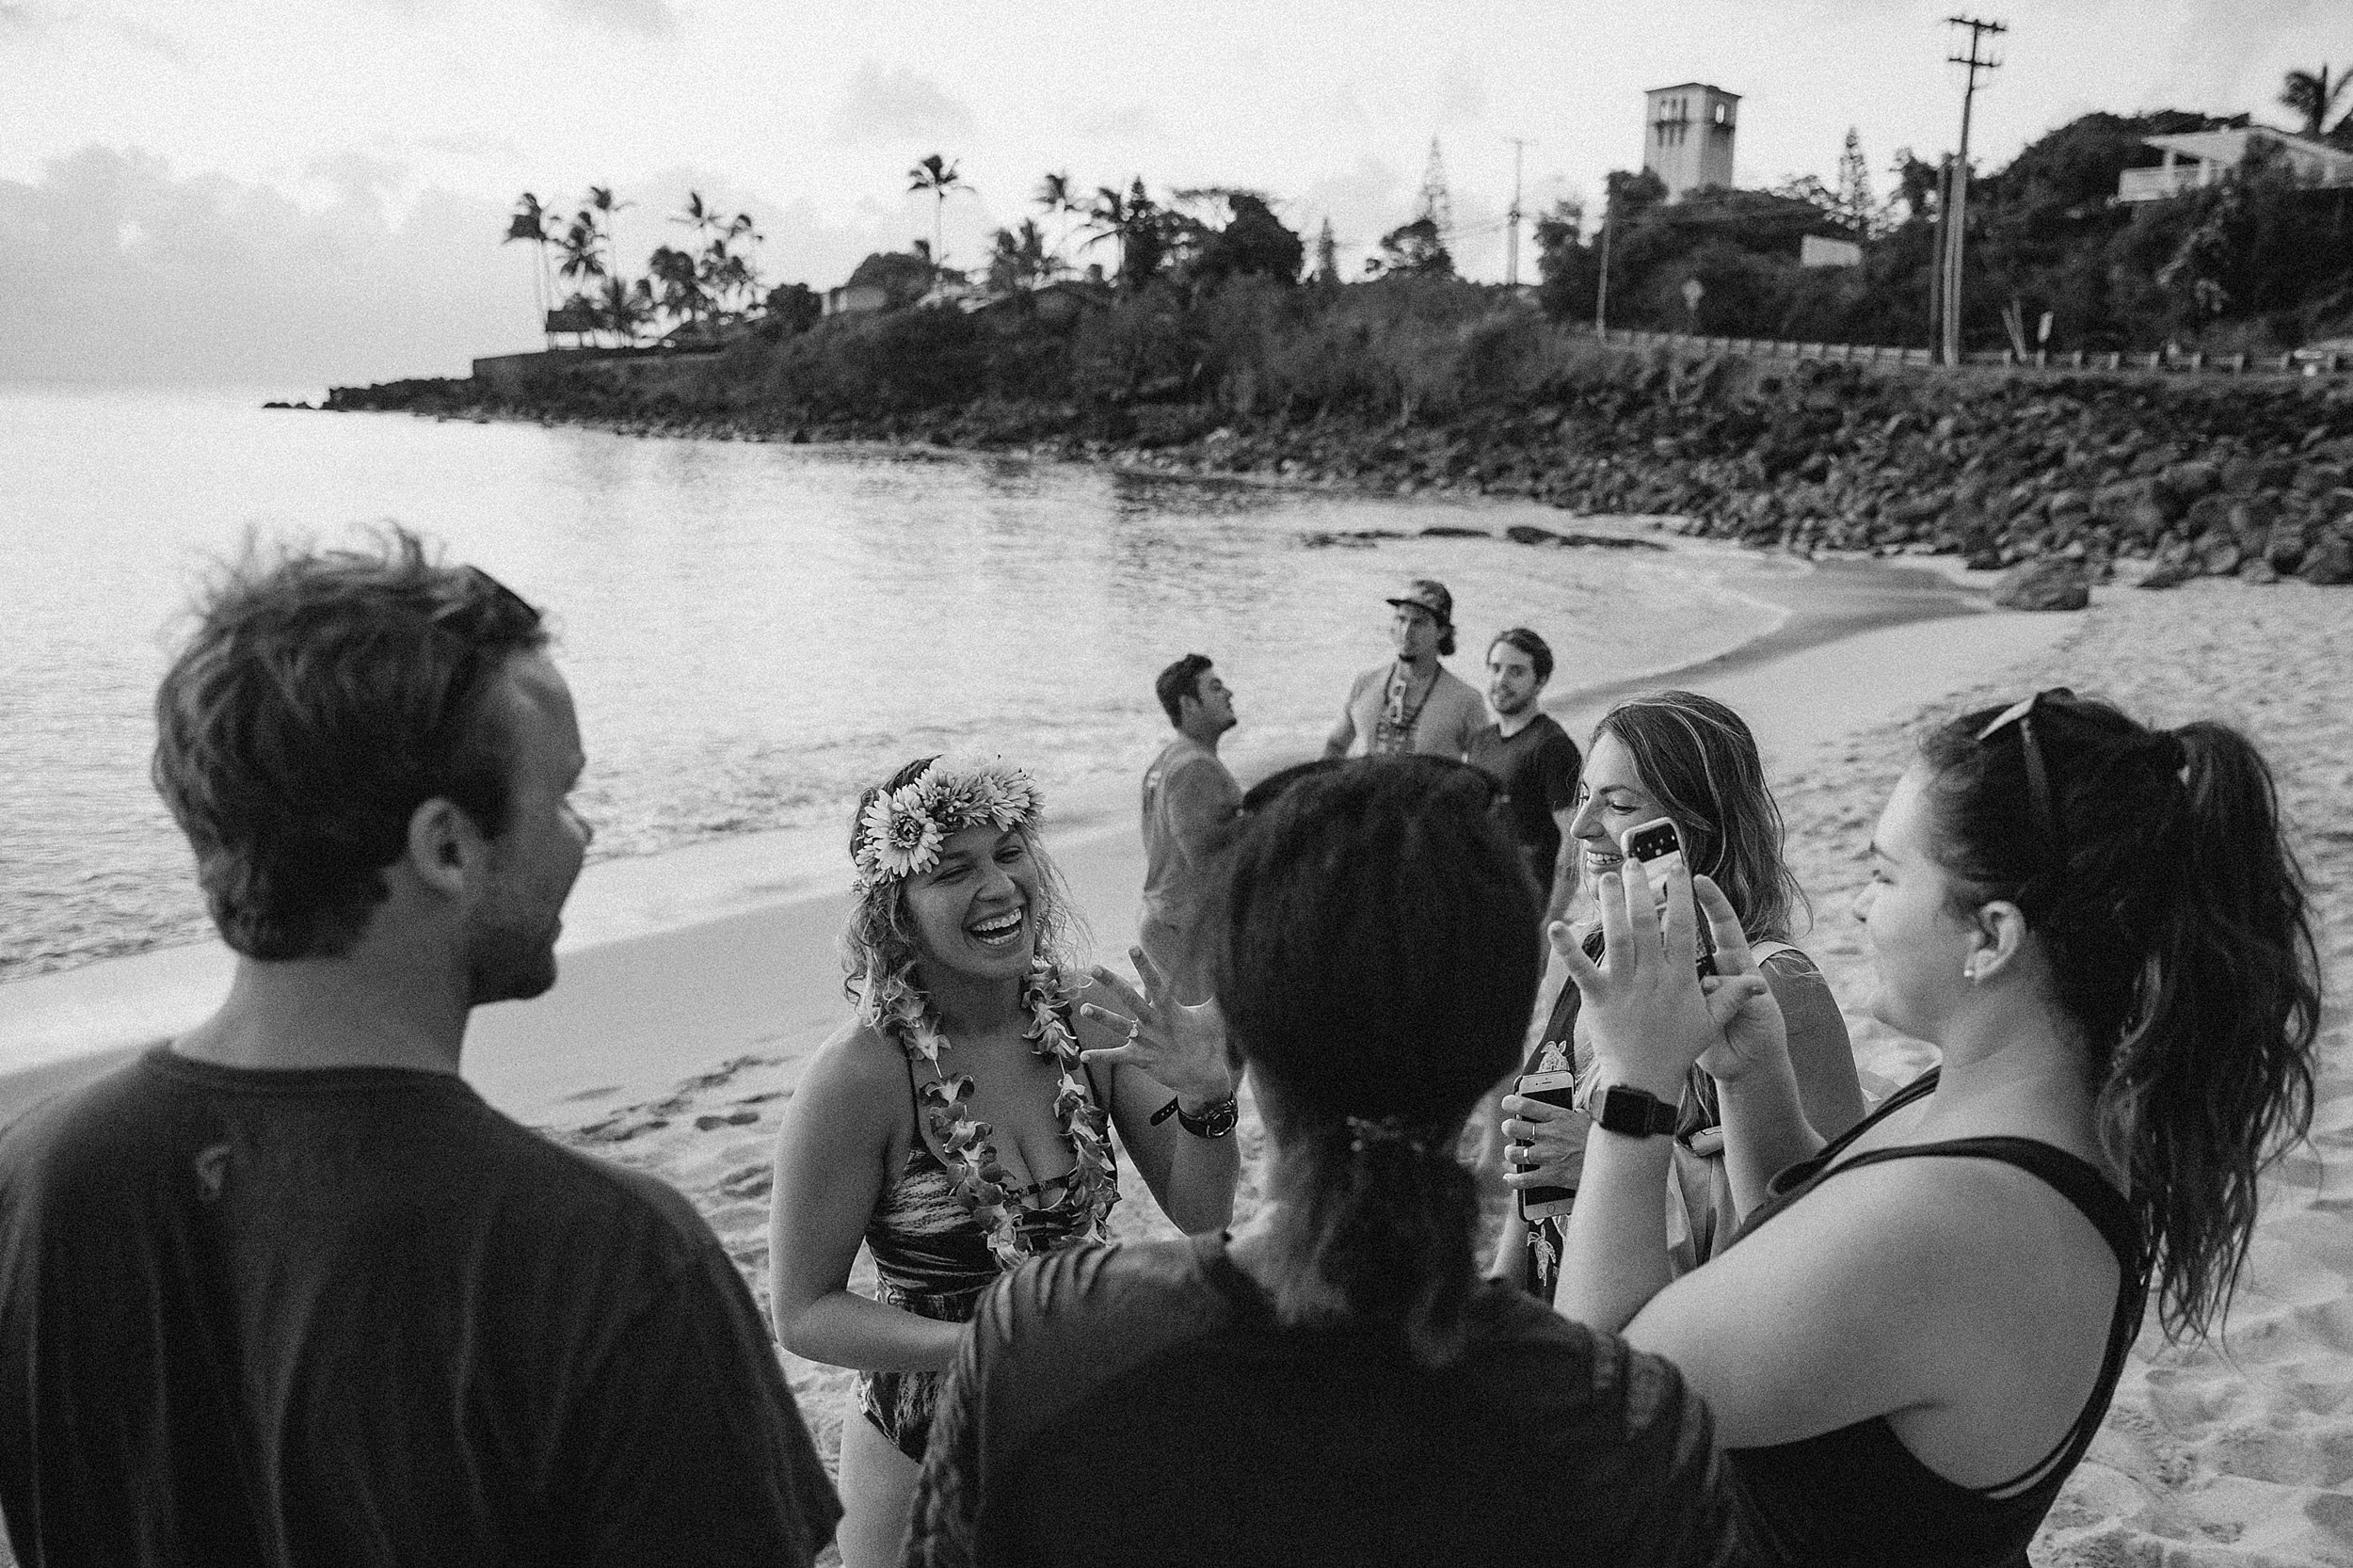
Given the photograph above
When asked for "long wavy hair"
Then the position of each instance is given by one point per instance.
(881, 952)
(2173, 915)
(1698, 759)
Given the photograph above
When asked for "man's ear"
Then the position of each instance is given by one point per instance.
(445, 847)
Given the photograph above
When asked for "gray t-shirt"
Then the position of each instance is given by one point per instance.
(1446, 722)
(1189, 797)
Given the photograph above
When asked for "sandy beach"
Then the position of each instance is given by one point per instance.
(674, 1051)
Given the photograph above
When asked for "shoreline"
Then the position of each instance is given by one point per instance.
(750, 895)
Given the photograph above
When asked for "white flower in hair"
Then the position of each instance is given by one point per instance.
(900, 837)
(1016, 795)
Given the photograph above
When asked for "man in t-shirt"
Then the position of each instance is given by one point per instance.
(1413, 704)
(1190, 801)
(1536, 761)
(285, 1289)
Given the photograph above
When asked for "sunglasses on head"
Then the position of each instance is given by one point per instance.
(2038, 796)
(504, 603)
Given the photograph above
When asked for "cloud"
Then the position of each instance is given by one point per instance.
(19, 20)
(132, 273)
(648, 18)
(899, 106)
(1463, 97)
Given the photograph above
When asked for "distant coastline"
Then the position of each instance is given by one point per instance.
(2251, 479)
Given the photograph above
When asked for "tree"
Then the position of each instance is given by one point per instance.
(1020, 259)
(1327, 258)
(602, 203)
(937, 176)
(1854, 201)
(530, 222)
(1136, 222)
(2314, 96)
(794, 307)
(682, 296)
(904, 275)
(1254, 243)
(1571, 270)
(627, 308)
(1414, 251)
(1057, 198)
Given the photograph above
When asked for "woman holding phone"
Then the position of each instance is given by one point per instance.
(1690, 761)
(2103, 930)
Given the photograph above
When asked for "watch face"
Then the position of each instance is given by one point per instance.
(1635, 1112)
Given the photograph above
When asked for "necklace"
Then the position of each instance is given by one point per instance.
(1395, 731)
(1014, 1231)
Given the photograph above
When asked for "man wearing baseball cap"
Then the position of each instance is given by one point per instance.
(1412, 704)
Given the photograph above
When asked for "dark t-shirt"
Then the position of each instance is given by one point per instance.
(1539, 767)
(357, 1317)
(1139, 1405)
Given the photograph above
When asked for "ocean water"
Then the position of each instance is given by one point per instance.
(752, 632)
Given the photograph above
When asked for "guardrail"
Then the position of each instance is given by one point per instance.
(2156, 361)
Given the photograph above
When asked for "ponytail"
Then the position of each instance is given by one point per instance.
(1377, 1230)
(2173, 915)
(2210, 1081)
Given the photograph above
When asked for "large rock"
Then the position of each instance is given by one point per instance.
(2171, 575)
(2191, 480)
(2044, 584)
(2329, 563)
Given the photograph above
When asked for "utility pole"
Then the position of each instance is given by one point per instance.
(1512, 252)
(1601, 294)
(1979, 31)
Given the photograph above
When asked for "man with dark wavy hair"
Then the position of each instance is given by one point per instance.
(285, 1290)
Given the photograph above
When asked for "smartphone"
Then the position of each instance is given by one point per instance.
(1657, 848)
(1545, 1203)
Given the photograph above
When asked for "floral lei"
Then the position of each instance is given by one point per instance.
(974, 1176)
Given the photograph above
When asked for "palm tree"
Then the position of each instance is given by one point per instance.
(1057, 198)
(530, 222)
(1021, 260)
(626, 306)
(2313, 96)
(1108, 216)
(1135, 221)
(682, 294)
(601, 201)
(939, 177)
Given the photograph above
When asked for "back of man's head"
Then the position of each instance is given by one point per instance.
(322, 697)
(1181, 679)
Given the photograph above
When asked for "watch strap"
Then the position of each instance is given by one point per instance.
(1216, 1122)
(1635, 1112)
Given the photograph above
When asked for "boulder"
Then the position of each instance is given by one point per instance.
(1522, 533)
(2044, 584)
(2191, 480)
(2221, 557)
(2252, 517)
(2329, 563)
(2170, 576)
(2207, 513)
(2285, 548)
(2317, 478)
(2258, 570)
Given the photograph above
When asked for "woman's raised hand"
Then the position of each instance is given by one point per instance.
(1649, 1017)
(1746, 1014)
(1182, 1047)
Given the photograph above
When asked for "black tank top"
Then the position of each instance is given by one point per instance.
(1856, 1494)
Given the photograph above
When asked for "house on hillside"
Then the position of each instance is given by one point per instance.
(2196, 159)
(853, 299)
(1686, 137)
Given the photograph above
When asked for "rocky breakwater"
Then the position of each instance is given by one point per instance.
(2250, 478)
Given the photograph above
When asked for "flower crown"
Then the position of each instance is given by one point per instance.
(901, 830)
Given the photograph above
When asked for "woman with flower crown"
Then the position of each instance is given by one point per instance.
(961, 1121)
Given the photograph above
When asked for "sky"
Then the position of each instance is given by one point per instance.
(312, 191)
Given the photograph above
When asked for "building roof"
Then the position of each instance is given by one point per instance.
(2229, 147)
(1679, 87)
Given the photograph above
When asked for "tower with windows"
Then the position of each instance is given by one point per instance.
(1686, 136)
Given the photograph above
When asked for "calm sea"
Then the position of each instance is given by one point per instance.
(753, 632)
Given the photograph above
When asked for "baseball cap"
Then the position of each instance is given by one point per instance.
(1429, 594)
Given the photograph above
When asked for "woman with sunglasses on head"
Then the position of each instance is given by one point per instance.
(1691, 760)
(1916, 1332)
(1323, 1385)
(961, 1122)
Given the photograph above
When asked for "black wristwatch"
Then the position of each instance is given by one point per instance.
(1635, 1112)
(1216, 1122)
